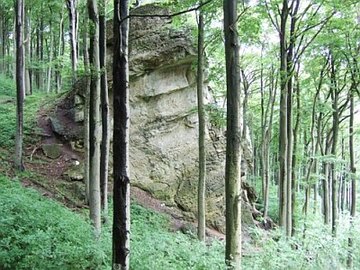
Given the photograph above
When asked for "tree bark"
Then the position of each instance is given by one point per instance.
(105, 143)
(266, 137)
(20, 85)
(48, 88)
(202, 119)
(86, 112)
(28, 89)
(121, 222)
(94, 123)
(233, 141)
(283, 134)
(335, 129)
(71, 5)
(294, 157)
(60, 53)
(355, 84)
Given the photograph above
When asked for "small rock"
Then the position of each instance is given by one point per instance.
(78, 100)
(189, 229)
(74, 172)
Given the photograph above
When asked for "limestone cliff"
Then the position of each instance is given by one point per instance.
(164, 125)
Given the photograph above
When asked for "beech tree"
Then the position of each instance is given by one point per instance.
(233, 137)
(73, 19)
(94, 119)
(105, 141)
(202, 119)
(20, 84)
(121, 196)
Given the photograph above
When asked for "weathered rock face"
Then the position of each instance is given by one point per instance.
(164, 124)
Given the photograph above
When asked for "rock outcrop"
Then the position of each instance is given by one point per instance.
(164, 124)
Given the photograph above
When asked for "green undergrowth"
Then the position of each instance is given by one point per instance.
(8, 113)
(312, 248)
(38, 233)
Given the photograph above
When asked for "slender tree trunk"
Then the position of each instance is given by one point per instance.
(352, 176)
(71, 5)
(283, 134)
(60, 53)
(233, 143)
(324, 146)
(326, 193)
(20, 85)
(41, 54)
(9, 53)
(335, 128)
(27, 44)
(37, 51)
(48, 88)
(12, 63)
(294, 157)
(266, 143)
(105, 143)
(262, 124)
(94, 123)
(86, 111)
(201, 116)
(121, 223)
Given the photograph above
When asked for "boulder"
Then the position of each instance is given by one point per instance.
(52, 151)
(58, 126)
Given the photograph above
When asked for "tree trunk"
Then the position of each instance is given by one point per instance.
(283, 134)
(27, 44)
(94, 119)
(266, 142)
(59, 54)
(37, 52)
(121, 223)
(326, 193)
(294, 157)
(86, 112)
(105, 143)
(335, 129)
(233, 141)
(41, 54)
(20, 86)
(352, 173)
(71, 5)
(48, 88)
(201, 116)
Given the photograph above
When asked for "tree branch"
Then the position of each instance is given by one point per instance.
(274, 22)
(166, 15)
(322, 23)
